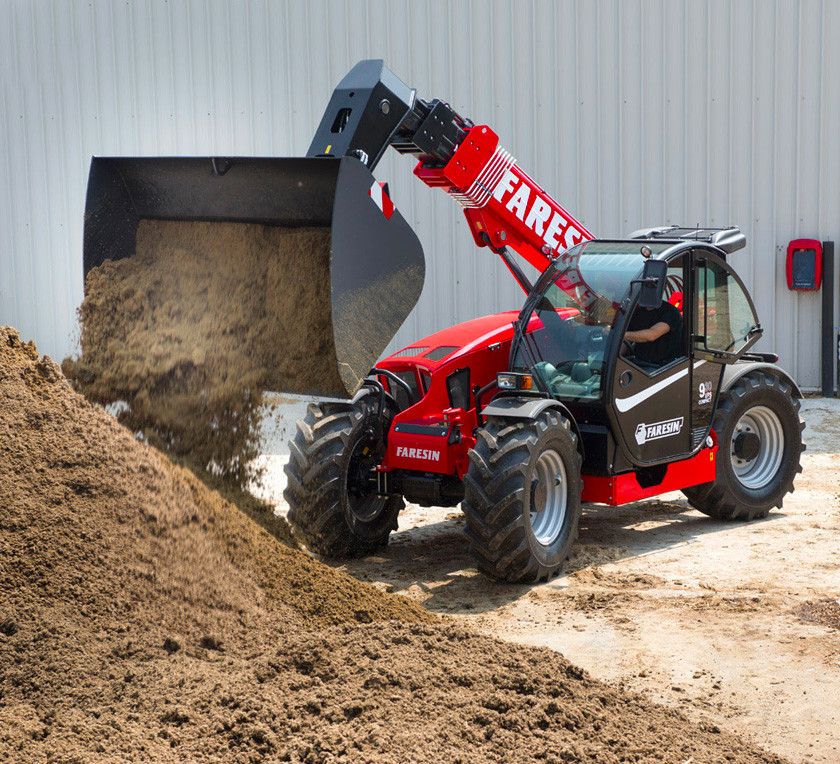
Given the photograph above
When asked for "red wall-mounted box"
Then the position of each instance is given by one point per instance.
(804, 264)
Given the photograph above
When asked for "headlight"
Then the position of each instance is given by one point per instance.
(511, 381)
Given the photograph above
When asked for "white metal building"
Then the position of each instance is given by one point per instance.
(630, 112)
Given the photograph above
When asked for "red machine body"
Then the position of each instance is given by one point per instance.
(626, 488)
(422, 437)
(482, 345)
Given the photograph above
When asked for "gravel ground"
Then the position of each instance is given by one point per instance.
(711, 617)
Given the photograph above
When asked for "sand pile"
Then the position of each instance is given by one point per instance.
(191, 331)
(143, 618)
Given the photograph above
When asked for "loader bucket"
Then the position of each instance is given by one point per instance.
(331, 307)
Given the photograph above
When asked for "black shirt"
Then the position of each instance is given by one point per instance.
(667, 347)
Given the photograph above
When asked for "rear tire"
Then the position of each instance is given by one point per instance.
(326, 508)
(757, 472)
(520, 524)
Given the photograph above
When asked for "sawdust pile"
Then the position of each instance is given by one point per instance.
(143, 618)
(191, 330)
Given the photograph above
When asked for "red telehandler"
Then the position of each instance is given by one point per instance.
(628, 372)
(521, 417)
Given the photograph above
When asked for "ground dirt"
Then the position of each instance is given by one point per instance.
(735, 624)
(144, 618)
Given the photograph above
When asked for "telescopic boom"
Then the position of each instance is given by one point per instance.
(372, 109)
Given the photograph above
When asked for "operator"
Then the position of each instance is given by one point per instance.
(655, 333)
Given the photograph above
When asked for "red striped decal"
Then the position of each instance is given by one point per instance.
(379, 193)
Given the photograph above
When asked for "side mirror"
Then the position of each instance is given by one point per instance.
(652, 283)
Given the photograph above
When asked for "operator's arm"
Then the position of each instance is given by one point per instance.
(652, 334)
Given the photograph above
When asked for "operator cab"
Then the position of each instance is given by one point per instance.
(639, 375)
(572, 313)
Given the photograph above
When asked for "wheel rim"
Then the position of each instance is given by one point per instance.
(364, 504)
(757, 471)
(549, 497)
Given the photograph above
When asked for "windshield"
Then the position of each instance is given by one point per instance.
(572, 311)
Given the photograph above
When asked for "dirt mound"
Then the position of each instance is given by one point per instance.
(614, 580)
(191, 330)
(115, 563)
(825, 612)
(144, 618)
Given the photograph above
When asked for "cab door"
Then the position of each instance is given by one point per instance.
(724, 327)
(651, 406)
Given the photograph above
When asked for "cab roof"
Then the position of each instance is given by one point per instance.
(728, 240)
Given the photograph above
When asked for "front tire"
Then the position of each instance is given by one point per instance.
(331, 505)
(759, 448)
(522, 497)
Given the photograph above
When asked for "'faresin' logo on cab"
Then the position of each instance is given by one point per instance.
(419, 453)
(657, 430)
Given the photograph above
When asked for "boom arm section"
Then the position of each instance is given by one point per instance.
(372, 109)
(503, 205)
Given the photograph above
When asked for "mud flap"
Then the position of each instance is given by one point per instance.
(375, 265)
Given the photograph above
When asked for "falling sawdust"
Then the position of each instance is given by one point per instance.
(144, 618)
(198, 324)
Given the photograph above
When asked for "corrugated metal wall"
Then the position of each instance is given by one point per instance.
(631, 113)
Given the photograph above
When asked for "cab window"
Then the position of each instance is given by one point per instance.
(724, 319)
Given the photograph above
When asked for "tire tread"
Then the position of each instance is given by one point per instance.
(495, 487)
(315, 483)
